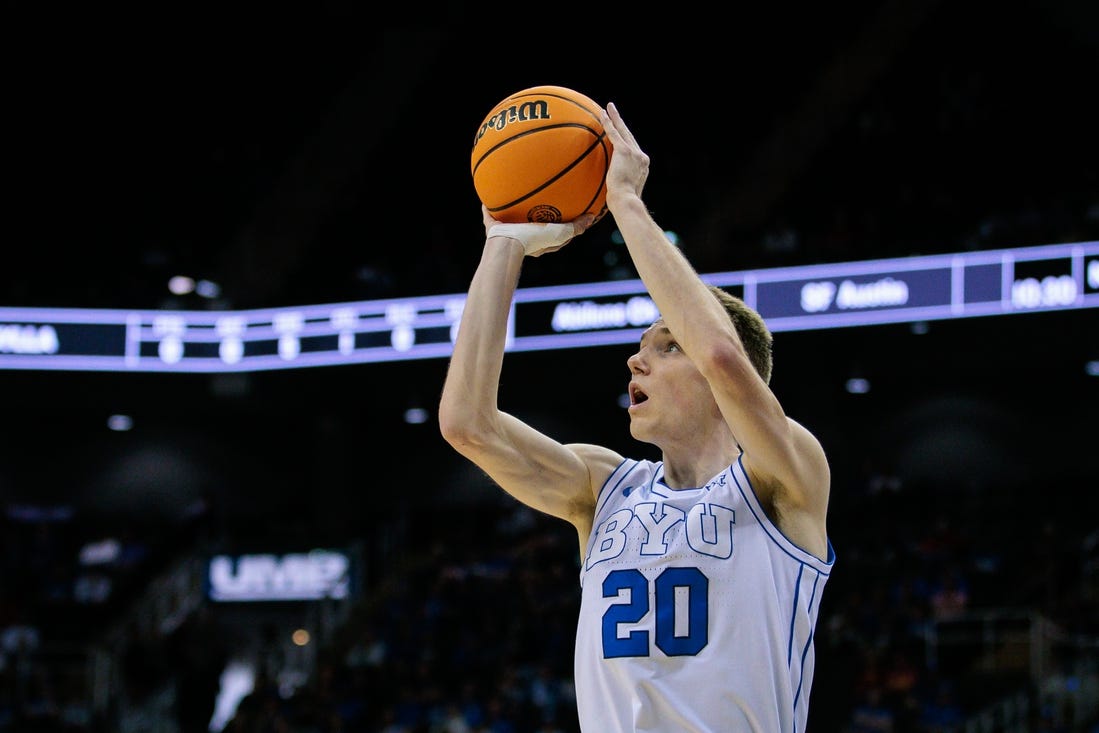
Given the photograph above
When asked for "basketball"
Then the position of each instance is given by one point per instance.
(541, 155)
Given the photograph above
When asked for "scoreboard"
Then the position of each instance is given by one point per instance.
(920, 288)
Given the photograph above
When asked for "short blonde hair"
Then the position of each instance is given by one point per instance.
(751, 328)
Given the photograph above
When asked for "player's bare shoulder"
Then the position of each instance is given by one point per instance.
(601, 462)
(815, 462)
(798, 502)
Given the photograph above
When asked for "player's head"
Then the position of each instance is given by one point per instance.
(752, 330)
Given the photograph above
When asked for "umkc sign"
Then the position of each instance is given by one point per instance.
(291, 577)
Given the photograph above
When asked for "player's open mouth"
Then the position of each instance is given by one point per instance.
(636, 395)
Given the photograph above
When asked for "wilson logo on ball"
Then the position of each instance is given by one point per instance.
(536, 110)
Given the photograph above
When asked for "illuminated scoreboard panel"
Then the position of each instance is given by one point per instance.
(999, 282)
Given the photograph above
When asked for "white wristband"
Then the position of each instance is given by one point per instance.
(535, 237)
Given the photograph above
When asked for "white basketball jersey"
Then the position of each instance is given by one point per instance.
(697, 614)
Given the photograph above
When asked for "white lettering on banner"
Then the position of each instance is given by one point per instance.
(884, 292)
(816, 297)
(343, 320)
(291, 577)
(585, 315)
(288, 325)
(169, 329)
(231, 331)
(1030, 292)
(18, 339)
(401, 316)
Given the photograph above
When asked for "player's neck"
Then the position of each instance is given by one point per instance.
(698, 453)
(691, 469)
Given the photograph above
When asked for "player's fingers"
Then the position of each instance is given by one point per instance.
(547, 250)
(611, 127)
(620, 125)
(487, 218)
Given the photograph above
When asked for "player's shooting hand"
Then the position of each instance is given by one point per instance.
(537, 238)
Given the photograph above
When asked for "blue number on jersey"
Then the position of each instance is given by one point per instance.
(634, 609)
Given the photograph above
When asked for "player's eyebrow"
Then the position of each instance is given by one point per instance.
(657, 328)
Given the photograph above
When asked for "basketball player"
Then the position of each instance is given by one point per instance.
(701, 573)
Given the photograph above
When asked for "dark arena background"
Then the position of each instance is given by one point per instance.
(234, 250)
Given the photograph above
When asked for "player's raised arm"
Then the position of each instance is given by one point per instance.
(529, 465)
(785, 460)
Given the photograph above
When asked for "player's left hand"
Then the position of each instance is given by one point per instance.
(537, 238)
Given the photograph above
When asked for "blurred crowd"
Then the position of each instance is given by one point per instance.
(931, 617)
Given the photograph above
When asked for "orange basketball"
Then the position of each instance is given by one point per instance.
(541, 155)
